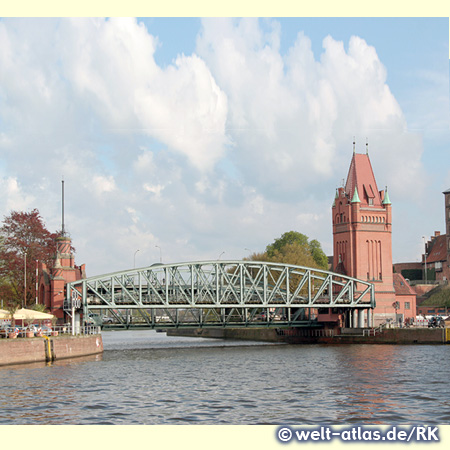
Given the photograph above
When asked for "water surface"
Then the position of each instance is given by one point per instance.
(144, 377)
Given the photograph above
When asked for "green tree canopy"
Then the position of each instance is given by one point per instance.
(295, 248)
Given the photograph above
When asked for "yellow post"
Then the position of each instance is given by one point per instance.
(49, 349)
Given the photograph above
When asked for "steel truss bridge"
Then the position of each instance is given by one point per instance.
(216, 293)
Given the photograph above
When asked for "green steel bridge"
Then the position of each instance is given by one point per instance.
(217, 293)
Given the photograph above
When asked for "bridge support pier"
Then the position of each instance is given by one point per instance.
(370, 318)
(361, 318)
(355, 318)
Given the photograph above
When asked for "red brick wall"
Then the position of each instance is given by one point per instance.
(407, 266)
(25, 350)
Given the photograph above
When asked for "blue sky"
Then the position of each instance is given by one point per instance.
(204, 136)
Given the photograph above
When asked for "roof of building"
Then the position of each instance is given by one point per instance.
(447, 191)
(401, 286)
(361, 177)
(437, 249)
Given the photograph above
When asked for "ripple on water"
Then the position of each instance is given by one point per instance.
(186, 381)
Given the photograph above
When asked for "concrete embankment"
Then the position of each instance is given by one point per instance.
(320, 336)
(27, 350)
(249, 334)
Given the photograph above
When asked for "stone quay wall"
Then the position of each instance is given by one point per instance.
(406, 336)
(28, 350)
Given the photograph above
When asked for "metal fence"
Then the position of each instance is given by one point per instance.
(58, 330)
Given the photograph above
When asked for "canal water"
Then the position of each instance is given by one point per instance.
(144, 377)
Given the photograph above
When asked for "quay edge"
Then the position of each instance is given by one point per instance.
(401, 336)
(29, 350)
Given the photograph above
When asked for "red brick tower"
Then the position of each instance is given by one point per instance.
(53, 280)
(362, 246)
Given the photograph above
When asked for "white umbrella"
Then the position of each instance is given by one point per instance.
(31, 314)
(4, 314)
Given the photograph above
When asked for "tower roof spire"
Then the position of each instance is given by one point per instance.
(386, 200)
(354, 145)
(355, 198)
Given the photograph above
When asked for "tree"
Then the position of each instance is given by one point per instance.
(24, 239)
(294, 248)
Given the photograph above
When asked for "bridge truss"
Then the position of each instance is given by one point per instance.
(216, 293)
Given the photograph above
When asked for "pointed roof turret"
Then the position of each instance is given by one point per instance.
(355, 198)
(386, 200)
(335, 198)
(360, 176)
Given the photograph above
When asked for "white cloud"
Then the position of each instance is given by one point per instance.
(222, 150)
(103, 184)
(291, 116)
(111, 65)
(13, 197)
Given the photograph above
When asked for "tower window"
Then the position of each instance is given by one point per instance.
(371, 201)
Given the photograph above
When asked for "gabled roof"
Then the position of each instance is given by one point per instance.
(360, 176)
(401, 286)
(437, 249)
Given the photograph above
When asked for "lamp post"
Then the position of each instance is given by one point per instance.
(134, 263)
(160, 253)
(426, 276)
(37, 275)
(220, 256)
(24, 280)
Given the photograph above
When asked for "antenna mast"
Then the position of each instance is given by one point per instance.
(63, 233)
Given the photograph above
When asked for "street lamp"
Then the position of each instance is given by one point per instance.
(37, 275)
(160, 253)
(134, 264)
(248, 249)
(24, 280)
(424, 243)
(220, 255)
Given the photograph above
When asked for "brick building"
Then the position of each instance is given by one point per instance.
(406, 297)
(437, 248)
(53, 280)
(362, 242)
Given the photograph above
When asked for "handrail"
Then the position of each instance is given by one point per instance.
(16, 332)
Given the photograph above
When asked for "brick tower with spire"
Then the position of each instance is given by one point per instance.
(362, 230)
(53, 280)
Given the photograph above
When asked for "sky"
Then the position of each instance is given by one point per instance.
(197, 139)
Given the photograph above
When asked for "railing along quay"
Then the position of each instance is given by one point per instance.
(36, 331)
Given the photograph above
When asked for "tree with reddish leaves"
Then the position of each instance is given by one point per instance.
(24, 240)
